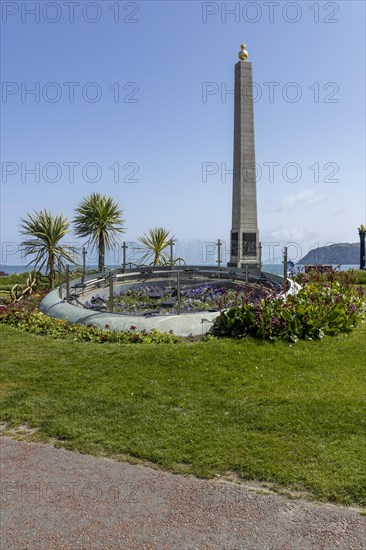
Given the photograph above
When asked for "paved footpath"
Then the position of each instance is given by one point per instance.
(56, 499)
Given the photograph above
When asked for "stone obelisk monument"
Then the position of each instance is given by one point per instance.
(244, 247)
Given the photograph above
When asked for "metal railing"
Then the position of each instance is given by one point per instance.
(73, 290)
(181, 277)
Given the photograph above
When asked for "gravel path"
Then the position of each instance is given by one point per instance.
(56, 499)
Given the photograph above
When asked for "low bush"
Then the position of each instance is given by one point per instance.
(7, 282)
(346, 278)
(318, 309)
(26, 316)
(361, 276)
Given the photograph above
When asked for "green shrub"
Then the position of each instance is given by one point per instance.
(361, 277)
(8, 281)
(318, 309)
(344, 278)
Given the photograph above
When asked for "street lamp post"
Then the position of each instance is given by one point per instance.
(362, 234)
(285, 260)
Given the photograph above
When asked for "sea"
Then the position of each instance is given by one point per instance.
(268, 268)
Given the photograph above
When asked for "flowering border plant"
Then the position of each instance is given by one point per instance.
(318, 309)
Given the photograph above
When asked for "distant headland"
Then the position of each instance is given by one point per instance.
(341, 253)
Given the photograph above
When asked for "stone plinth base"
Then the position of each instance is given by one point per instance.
(253, 268)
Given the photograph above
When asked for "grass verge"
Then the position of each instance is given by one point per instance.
(288, 414)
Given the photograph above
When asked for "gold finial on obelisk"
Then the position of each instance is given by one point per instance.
(243, 54)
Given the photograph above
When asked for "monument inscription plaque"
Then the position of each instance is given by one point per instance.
(249, 245)
(234, 244)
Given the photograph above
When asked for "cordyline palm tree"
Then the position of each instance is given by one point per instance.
(44, 232)
(99, 218)
(154, 243)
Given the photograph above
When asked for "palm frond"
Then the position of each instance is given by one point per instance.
(96, 216)
(154, 243)
(44, 232)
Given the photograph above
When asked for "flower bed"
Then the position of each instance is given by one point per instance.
(163, 301)
(320, 308)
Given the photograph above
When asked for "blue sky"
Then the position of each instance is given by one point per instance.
(149, 91)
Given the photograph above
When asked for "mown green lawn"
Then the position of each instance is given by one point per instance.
(290, 414)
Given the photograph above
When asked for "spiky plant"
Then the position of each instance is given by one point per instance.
(154, 243)
(99, 219)
(44, 232)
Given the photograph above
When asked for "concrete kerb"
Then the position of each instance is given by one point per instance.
(189, 324)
